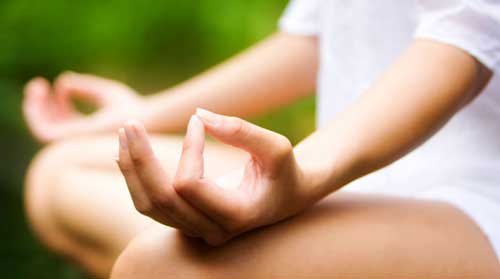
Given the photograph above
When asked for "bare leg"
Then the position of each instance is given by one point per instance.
(78, 204)
(345, 236)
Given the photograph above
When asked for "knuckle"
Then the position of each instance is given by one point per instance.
(283, 148)
(237, 126)
(240, 222)
(183, 185)
(162, 201)
(136, 160)
(215, 239)
(143, 208)
(140, 160)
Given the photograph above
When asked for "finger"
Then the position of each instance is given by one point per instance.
(227, 207)
(37, 106)
(93, 89)
(161, 194)
(215, 202)
(36, 94)
(266, 146)
(48, 121)
(134, 185)
(62, 97)
(144, 160)
(139, 197)
(191, 162)
(87, 87)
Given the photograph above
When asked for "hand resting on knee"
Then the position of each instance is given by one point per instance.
(271, 188)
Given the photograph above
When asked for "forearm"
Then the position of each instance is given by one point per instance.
(274, 73)
(413, 99)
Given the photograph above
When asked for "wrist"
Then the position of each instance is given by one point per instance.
(156, 113)
(322, 175)
(314, 183)
(168, 111)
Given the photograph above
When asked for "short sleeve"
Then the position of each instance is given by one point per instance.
(471, 25)
(301, 17)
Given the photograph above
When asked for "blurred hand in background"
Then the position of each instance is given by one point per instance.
(51, 114)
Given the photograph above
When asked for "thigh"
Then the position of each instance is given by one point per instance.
(99, 154)
(344, 236)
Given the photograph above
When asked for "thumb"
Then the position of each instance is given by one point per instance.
(264, 145)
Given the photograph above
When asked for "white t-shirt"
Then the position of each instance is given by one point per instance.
(359, 39)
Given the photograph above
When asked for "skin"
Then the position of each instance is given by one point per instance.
(87, 145)
(279, 181)
(92, 181)
(309, 177)
(244, 86)
(343, 236)
(186, 195)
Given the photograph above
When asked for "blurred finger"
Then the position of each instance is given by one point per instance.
(37, 108)
(88, 87)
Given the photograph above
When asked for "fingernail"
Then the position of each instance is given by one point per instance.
(195, 119)
(193, 122)
(207, 116)
(122, 139)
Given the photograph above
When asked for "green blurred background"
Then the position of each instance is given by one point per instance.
(149, 45)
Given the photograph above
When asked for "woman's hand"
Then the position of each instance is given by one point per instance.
(51, 115)
(270, 189)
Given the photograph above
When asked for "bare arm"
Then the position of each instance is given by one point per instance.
(274, 73)
(414, 98)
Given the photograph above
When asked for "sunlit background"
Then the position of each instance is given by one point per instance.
(149, 45)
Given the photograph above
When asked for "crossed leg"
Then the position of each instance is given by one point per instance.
(78, 204)
(344, 236)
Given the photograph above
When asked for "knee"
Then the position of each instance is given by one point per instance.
(38, 190)
(133, 261)
(44, 173)
(160, 252)
(38, 176)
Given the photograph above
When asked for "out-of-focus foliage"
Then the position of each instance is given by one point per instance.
(148, 44)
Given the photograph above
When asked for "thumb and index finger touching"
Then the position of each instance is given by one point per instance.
(50, 113)
(264, 145)
(224, 205)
